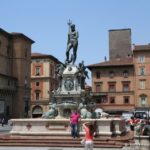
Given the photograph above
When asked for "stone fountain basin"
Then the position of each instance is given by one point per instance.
(104, 126)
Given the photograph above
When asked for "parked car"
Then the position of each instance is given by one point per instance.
(141, 114)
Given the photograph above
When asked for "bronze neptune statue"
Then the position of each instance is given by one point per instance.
(72, 43)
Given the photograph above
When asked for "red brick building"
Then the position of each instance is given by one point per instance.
(113, 85)
(43, 81)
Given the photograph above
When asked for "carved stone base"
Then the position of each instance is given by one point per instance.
(62, 126)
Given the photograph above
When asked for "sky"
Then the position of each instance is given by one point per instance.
(45, 22)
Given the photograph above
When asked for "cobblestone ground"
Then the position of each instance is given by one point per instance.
(5, 128)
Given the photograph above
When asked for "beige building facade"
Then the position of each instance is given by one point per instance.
(15, 56)
(43, 81)
(142, 74)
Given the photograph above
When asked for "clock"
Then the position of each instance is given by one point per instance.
(68, 84)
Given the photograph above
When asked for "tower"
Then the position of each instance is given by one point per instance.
(119, 43)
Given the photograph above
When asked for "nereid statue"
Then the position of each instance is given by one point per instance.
(51, 113)
(83, 109)
(82, 74)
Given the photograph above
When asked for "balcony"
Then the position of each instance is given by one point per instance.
(99, 93)
(40, 102)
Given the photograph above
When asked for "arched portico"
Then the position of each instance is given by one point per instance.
(37, 111)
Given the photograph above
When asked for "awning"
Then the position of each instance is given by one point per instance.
(37, 111)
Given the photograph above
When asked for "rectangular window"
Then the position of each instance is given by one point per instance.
(8, 50)
(26, 53)
(37, 94)
(141, 59)
(112, 100)
(141, 71)
(102, 99)
(126, 86)
(125, 74)
(98, 101)
(111, 74)
(143, 101)
(98, 88)
(37, 71)
(142, 84)
(37, 83)
(126, 100)
(112, 87)
(51, 72)
(98, 75)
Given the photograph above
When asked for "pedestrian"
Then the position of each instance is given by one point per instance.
(146, 129)
(74, 123)
(133, 122)
(89, 133)
(3, 121)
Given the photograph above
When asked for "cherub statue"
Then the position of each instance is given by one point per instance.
(59, 72)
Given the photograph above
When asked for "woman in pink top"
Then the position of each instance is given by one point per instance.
(89, 132)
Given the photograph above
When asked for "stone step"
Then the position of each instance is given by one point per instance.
(66, 139)
(54, 142)
(62, 141)
(58, 145)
